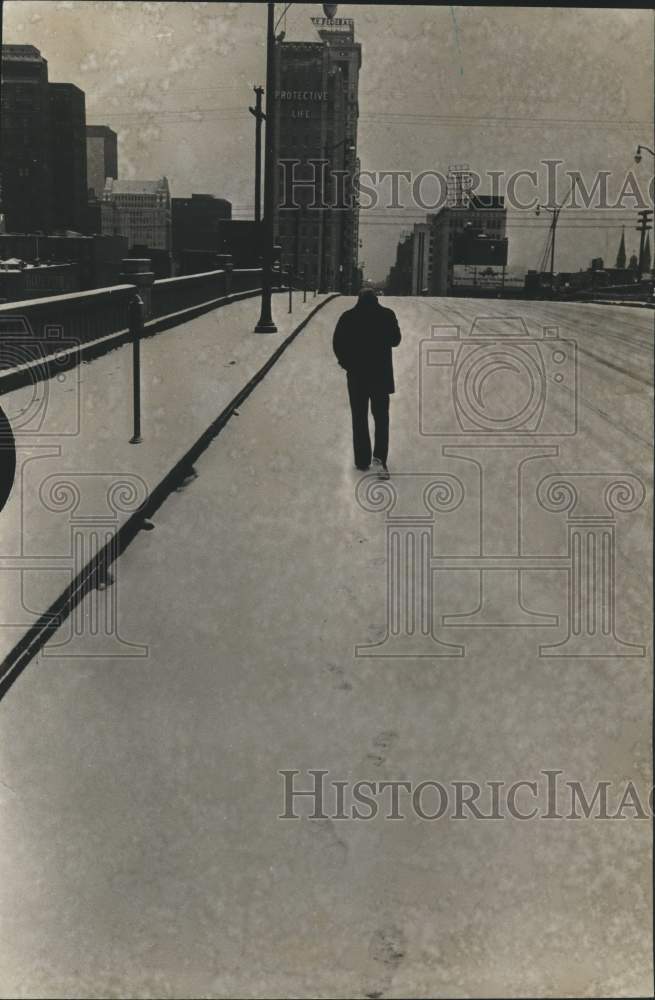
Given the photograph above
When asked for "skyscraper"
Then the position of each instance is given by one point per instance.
(67, 123)
(316, 108)
(25, 146)
(101, 158)
(42, 148)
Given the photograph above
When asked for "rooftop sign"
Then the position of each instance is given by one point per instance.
(337, 24)
(330, 22)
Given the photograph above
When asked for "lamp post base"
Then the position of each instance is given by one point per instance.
(266, 327)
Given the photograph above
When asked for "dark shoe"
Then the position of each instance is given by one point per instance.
(362, 468)
(380, 468)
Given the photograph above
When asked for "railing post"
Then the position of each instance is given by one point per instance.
(225, 262)
(138, 271)
(290, 280)
(136, 318)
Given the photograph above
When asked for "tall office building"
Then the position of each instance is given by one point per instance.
(138, 210)
(67, 123)
(101, 158)
(25, 141)
(316, 113)
(42, 146)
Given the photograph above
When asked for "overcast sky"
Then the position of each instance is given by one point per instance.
(439, 85)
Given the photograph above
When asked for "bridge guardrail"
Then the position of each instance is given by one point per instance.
(46, 326)
(37, 328)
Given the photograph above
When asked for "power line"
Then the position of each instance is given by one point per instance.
(412, 116)
(400, 118)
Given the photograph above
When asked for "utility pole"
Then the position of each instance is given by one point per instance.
(265, 323)
(259, 118)
(556, 212)
(642, 229)
(553, 229)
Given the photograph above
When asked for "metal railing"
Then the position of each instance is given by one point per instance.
(59, 322)
(42, 337)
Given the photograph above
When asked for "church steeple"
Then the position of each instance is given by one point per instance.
(620, 257)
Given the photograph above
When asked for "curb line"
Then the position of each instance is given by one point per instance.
(96, 569)
(47, 367)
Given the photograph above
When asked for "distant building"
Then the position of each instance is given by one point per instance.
(139, 211)
(42, 147)
(241, 239)
(101, 158)
(399, 281)
(316, 107)
(422, 246)
(196, 221)
(67, 123)
(25, 146)
(483, 215)
(99, 258)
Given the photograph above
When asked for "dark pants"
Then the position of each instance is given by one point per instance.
(360, 394)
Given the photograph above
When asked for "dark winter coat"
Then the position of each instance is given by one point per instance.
(363, 340)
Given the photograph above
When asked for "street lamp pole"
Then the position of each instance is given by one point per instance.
(259, 118)
(265, 323)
